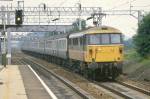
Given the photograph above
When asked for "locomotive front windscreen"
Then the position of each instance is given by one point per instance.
(98, 39)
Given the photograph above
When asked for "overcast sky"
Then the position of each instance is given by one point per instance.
(127, 24)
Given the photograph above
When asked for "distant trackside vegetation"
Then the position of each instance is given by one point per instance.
(142, 39)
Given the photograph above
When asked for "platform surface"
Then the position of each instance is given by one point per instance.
(11, 84)
(19, 82)
(1, 68)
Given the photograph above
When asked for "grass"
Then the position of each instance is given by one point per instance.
(135, 66)
(131, 56)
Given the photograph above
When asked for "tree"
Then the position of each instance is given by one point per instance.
(142, 39)
(76, 24)
(129, 43)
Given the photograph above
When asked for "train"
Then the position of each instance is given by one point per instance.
(96, 52)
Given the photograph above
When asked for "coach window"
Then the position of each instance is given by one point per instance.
(81, 40)
(59, 44)
(49, 44)
(64, 44)
(75, 41)
(70, 43)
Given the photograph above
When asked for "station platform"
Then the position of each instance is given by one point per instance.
(1, 67)
(19, 82)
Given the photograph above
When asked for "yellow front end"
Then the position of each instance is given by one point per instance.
(104, 53)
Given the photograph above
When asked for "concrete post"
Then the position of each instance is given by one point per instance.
(80, 26)
(8, 47)
(4, 36)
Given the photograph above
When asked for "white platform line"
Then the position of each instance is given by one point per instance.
(44, 85)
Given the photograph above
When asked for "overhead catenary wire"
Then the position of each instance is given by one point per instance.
(125, 3)
(143, 6)
(63, 2)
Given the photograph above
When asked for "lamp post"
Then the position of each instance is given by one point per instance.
(4, 37)
(55, 23)
(44, 7)
(80, 11)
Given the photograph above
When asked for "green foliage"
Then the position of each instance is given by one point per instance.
(132, 55)
(76, 25)
(142, 39)
(128, 44)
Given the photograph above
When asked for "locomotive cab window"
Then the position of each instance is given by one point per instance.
(115, 38)
(103, 39)
(93, 39)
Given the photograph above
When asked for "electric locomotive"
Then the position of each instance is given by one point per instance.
(98, 51)
(95, 52)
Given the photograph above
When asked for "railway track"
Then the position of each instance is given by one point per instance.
(125, 90)
(121, 89)
(147, 92)
(81, 94)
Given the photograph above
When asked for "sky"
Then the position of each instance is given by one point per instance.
(127, 24)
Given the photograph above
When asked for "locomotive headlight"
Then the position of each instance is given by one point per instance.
(90, 52)
(118, 58)
(120, 50)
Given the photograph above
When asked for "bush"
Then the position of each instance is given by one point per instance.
(142, 39)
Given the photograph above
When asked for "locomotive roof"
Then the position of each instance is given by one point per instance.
(103, 29)
(95, 30)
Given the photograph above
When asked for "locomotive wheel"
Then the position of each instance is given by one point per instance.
(86, 73)
(83, 69)
(114, 73)
(91, 74)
